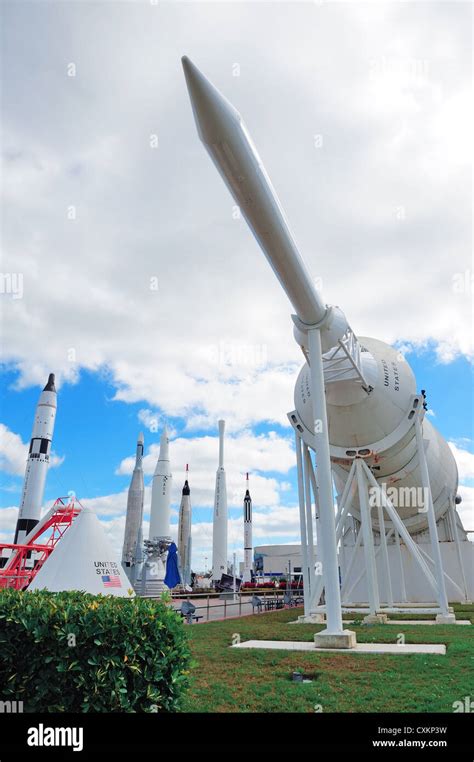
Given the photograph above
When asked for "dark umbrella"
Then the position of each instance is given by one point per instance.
(172, 577)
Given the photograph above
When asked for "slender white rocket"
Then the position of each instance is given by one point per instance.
(134, 516)
(161, 492)
(184, 532)
(248, 550)
(219, 525)
(38, 462)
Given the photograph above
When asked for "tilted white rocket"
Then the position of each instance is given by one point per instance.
(184, 532)
(219, 524)
(161, 492)
(248, 550)
(133, 521)
(370, 413)
(38, 462)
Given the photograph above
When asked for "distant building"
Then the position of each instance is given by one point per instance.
(273, 560)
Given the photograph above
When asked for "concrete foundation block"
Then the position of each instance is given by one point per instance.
(344, 639)
(375, 619)
(445, 619)
(311, 619)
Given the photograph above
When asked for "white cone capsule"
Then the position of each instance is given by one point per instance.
(184, 533)
(161, 492)
(219, 525)
(134, 516)
(248, 549)
(38, 462)
(84, 560)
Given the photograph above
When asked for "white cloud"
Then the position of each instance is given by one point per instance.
(243, 452)
(387, 88)
(466, 509)
(8, 519)
(464, 460)
(14, 452)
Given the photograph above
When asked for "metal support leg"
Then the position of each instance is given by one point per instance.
(433, 530)
(401, 528)
(327, 526)
(345, 580)
(304, 543)
(403, 591)
(385, 561)
(307, 468)
(343, 509)
(369, 552)
(452, 513)
(356, 581)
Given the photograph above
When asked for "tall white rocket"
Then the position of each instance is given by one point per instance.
(38, 462)
(133, 521)
(219, 525)
(248, 550)
(161, 492)
(184, 532)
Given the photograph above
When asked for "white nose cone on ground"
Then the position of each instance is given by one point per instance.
(84, 560)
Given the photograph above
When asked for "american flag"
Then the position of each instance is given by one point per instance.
(111, 581)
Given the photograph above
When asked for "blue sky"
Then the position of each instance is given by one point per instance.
(144, 291)
(94, 434)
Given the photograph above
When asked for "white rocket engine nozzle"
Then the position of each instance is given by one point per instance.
(221, 129)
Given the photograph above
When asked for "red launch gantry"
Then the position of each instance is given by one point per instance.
(20, 569)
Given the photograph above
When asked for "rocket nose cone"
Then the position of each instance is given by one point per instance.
(50, 387)
(141, 438)
(211, 110)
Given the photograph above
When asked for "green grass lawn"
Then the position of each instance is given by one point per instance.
(232, 680)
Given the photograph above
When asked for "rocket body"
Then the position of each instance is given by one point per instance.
(137, 568)
(184, 533)
(38, 462)
(161, 492)
(360, 416)
(248, 549)
(133, 522)
(220, 518)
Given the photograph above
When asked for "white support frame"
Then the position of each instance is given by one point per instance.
(453, 517)
(312, 483)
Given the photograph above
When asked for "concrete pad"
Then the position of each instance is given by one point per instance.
(360, 648)
(426, 621)
(399, 622)
(344, 639)
(446, 619)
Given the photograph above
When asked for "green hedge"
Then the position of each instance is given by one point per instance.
(74, 652)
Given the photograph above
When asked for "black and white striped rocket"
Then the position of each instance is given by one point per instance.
(248, 549)
(38, 462)
(219, 524)
(134, 518)
(184, 532)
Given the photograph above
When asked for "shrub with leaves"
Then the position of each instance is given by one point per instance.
(75, 652)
